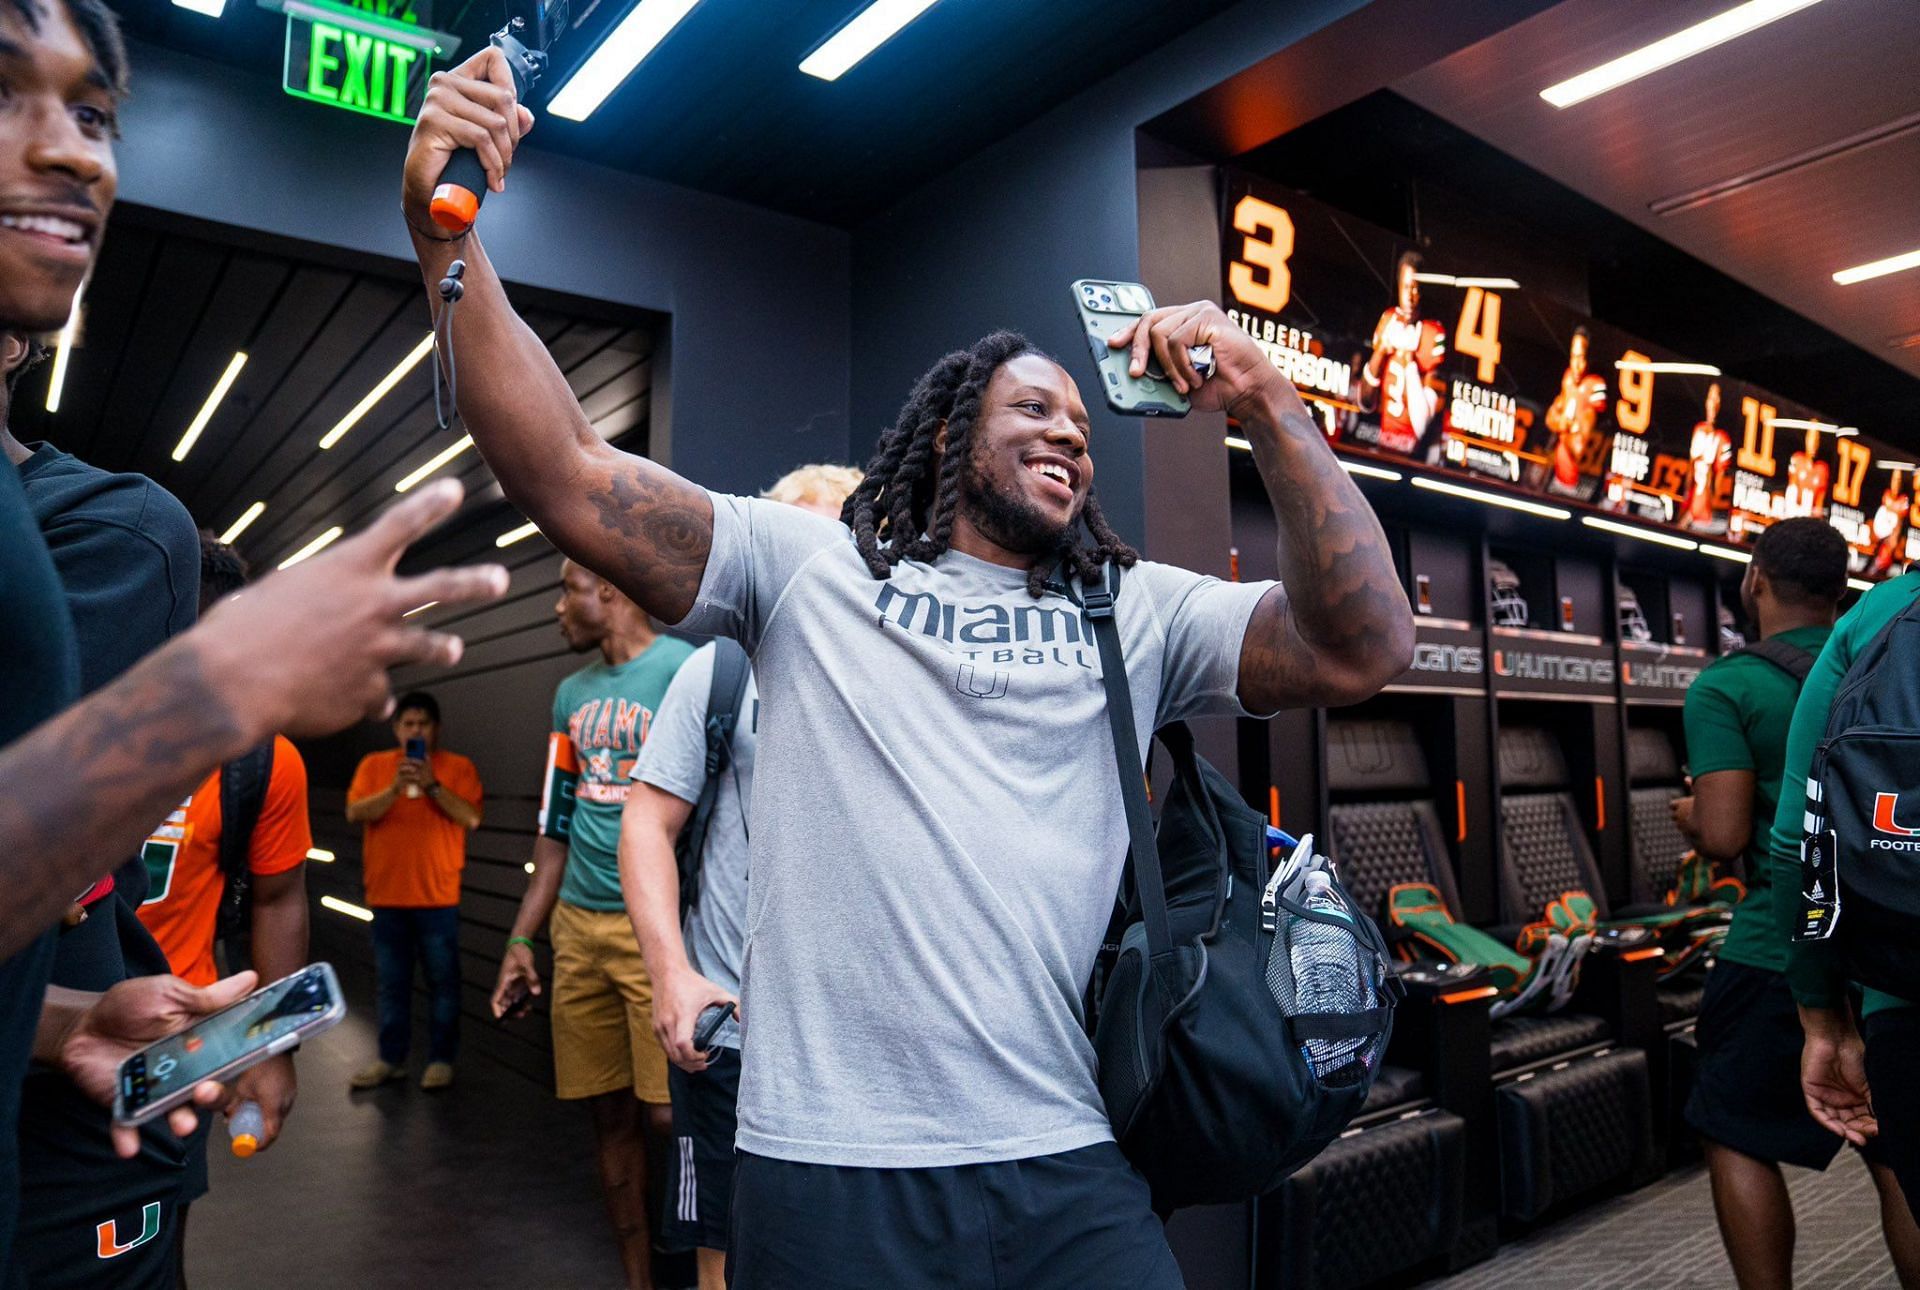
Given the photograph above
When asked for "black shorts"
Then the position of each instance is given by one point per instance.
(1070, 1221)
(87, 1217)
(700, 1189)
(1746, 1089)
(1893, 1055)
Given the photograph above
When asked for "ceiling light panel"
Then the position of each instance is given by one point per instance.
(613, 60)
(871, 28)
(1697, 39)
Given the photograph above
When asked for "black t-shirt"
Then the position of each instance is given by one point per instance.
(128, 557)
(39, 675)
(127, 553)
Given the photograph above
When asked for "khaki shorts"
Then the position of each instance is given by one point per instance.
(602, 1008)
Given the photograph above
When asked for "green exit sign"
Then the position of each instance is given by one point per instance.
(356, 59)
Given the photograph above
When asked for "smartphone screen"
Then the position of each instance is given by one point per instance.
(235, 1037)
(416, 749)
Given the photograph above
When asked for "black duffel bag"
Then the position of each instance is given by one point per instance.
(1206, 1053)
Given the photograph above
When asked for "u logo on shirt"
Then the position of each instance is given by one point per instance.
(967, 683)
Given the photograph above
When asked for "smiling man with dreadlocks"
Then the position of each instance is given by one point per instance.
(936, 831)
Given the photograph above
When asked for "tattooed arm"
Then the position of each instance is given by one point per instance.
(631, 520)
(303, 652)
(1338, 627)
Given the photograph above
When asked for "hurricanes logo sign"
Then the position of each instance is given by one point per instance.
(1884, 805)
(108, 1233)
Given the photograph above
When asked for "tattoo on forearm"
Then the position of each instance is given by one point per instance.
(1339, 626)
(78, 794)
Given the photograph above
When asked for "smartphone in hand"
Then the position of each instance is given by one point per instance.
(416, 750)
(270, 1021)
(716, 1027)
(1106, 307)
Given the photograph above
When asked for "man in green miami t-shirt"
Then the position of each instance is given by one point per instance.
(604, 1051)
(1746, 1103)
(1838, 1065)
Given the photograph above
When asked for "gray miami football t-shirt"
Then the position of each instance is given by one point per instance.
(674, 758)
(937, 835)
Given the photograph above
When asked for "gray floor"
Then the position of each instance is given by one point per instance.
(491, 1184)
(1663, 1237)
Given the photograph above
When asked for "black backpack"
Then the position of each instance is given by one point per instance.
(731, 668)
(1864, 786)
(243, 794)
(1202, 1065)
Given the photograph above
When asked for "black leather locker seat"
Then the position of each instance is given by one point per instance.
(1653, 773)
(1372, 1205)
(1680, 1000)
(1654, 781)
(1573, 1130)
(1584, 1125)
(1520, 1041)
(1376, 844)
(1546, 845)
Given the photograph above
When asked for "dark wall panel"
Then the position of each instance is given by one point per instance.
(497, 706)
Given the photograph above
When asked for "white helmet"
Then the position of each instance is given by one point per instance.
(1633, 623)
(1731, 637)
(1509, 602)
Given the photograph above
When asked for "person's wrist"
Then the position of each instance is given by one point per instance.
(66, 1039)
(1266, 401)
(1826, 1023)
(246, 712)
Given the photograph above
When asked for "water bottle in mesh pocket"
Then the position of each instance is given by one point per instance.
(1327, 975)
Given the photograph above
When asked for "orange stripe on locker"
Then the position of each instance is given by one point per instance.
(1600, 803)
(1460, 810)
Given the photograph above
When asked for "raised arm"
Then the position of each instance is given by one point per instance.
(1338, 627)
(631, 520)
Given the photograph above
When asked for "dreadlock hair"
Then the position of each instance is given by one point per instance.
(905, 507)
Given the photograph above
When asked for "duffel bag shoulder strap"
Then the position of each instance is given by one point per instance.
(1098, 602)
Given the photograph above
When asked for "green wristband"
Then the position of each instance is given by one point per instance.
(519, 940)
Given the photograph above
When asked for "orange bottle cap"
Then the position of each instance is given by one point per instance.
(454, 208)
(245, 1145)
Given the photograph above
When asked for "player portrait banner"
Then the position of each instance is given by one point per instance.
(1450, 367)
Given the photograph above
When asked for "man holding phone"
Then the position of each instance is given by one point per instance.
(937, 832)
(418, 802)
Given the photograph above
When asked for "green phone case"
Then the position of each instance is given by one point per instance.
(1105, 307)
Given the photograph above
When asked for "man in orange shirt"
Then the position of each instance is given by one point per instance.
(187, 880)
(418, 803)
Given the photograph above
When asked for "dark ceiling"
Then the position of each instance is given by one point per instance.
(722, 106)
(1779, 158)
(168, 309)
(1434, 183)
